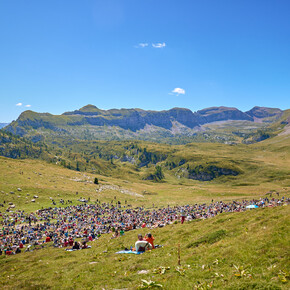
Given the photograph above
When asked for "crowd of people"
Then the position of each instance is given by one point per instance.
(64, 226)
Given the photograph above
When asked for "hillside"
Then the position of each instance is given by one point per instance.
(260, 168)
(175, 126)
(248, 250)
(197, 161)
(17, 147)
(230, 251)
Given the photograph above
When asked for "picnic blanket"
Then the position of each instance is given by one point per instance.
(135, 252)
(130, 252)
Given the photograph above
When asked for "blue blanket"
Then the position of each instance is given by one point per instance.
(130, 252)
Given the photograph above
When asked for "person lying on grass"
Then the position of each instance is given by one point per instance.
(142, 245)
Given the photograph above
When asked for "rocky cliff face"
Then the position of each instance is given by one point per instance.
(134, 120)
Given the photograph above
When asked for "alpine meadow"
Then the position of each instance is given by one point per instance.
(144, 144)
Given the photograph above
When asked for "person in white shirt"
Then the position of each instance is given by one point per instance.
(142, 245)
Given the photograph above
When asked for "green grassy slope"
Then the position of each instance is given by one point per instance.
(256, 241)
(264, 169)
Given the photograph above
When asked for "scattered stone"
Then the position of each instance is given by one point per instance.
(83, 200)
(93, 263)
(12, 206)
(19, 189)
(28, 194)
(10, 203)
(2, 191)
(35, 196)
(143, 272)
(33, 200)
(12, 192)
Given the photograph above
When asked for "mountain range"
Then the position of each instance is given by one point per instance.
(90, 122)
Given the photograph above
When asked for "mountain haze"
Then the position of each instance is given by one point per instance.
(2, 125)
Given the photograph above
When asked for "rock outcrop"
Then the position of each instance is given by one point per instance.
(134, 120)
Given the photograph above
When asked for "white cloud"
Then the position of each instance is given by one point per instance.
(142, 45)
(19, 104)
(159, 45)
(178, 91)
(27, 106)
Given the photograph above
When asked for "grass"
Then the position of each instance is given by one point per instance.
(48, 180)
(248, 250)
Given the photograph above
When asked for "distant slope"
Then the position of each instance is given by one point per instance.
(178, 125)
(263, 112)
(2, 125)
(17, 147)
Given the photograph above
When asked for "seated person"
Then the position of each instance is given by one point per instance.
(76, 246)
(84, 245)
(150, 239)
(65, 243)
(17, 250)
(115, 234)
(70, 241)
(141, 245)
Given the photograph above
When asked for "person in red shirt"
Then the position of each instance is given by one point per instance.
(71, 241)
(150, 239)
(65, 243)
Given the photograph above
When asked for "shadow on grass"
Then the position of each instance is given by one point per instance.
(210, 238)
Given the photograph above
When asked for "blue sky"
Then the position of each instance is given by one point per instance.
(57, 56)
